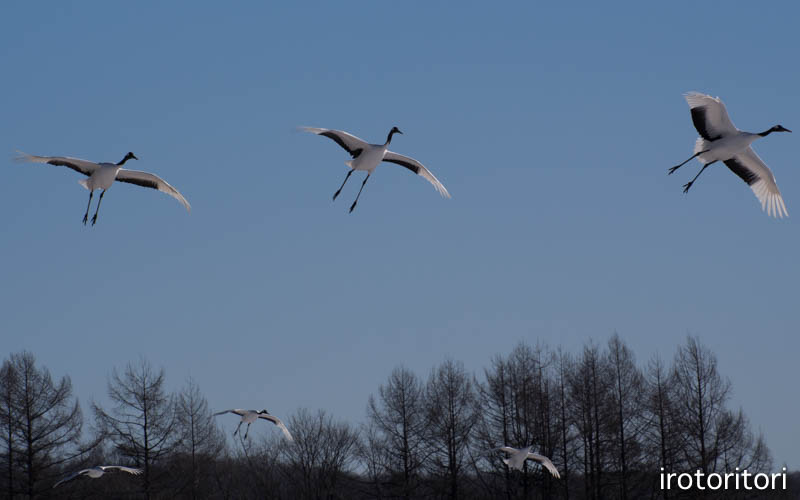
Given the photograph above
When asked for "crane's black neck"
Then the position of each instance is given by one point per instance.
(776, 128)
(389, 137)
(127, 157)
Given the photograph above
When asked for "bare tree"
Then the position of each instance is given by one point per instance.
(701, 392)
(564, 365)
(495, 421)
(659, 411)
(737, 446)
(323, 452)
(450, 402)
(627, 384)
(44, 420)
(142, 422)
(589, 388)
(201, 440)
(375, 455)
(515, 410)
(258, 468)
(8, 384)
(399, 416)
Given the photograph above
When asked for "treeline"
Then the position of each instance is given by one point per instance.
(608, 423)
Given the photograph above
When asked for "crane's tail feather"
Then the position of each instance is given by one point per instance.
(25, 157)
(702, 145)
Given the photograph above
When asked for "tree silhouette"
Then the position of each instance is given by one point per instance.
(142, 424)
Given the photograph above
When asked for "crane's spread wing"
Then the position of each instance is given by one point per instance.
(350, 143)
(83, 166)
(546, 463)
(129, 470)
(277, 421)
(153, 181)
(418, 168)
(506, 449)
(709, 116)
(71, 477)
(237, 411)
(758, 176)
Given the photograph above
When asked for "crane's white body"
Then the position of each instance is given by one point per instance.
(97, 471)
(369, 159)
(250, 416)
(102, 178)
(103, 175)
(367, 156)
(517, 457)
(720, 140)
(724, 148)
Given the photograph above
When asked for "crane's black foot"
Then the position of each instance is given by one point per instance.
(94, 219)
(85, 218)
(673, 169)
(687, 186)
(353, 206)
(336, 194)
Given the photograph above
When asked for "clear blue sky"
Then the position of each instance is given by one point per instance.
(552, 127)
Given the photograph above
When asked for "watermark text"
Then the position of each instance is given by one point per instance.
(739, 480)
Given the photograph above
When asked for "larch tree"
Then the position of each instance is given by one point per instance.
(201, 439)
(398, 414)
(701, 393)
(142, 424)
(8, 424)
(451, 407)
(588, 392)
(46, 423)
(626, 389)
(323, 452)
(659, 411)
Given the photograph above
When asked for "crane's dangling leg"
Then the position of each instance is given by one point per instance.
(246, 432)
(340, 187)
(359, 193)
(676, 167)
(689, 184)
(99, 200)
(86, 215)
(237, 429)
